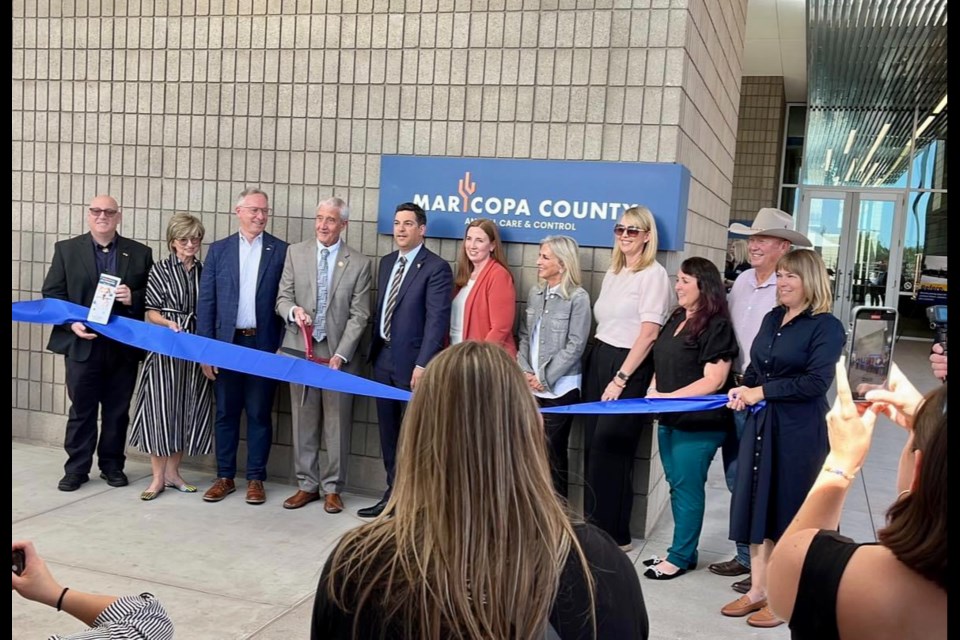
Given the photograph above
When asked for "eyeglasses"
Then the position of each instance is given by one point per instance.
(95, 212)
(255, 210)
(188, 241)
(632, 232)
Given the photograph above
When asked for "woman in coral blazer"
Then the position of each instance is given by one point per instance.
(485, 301)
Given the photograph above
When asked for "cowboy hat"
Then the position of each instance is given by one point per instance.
(774, 223)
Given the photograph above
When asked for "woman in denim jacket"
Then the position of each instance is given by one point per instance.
(553, 336)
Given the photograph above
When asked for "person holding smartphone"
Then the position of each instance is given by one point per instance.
(785, 441)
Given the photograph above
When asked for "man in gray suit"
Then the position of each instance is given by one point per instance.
(326, 287)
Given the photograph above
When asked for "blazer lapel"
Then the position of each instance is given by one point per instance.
(123, 258)
(265, 257)
(232, 259)
(86, 257)
(343, 261)
(414, 272)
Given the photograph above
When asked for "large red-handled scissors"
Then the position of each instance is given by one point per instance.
(306, 331)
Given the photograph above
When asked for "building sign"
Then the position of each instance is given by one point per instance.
(531, 199)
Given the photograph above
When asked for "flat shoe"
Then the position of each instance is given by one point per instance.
(655, 574)
(652, 561)
(150, 495)
(742, 606)
(765, 619)
(182, 488)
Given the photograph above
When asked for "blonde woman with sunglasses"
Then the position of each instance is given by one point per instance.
(632, 306)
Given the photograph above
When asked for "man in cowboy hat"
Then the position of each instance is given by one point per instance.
(753, 294)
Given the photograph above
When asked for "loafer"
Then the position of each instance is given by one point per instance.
(654, 573)
(255, 492)
(742, 606)
(332, 503)
(222, 487)
(730, 568)
(765, 619)
(72, 481)
(742, 586)
(115, 478)
(301, 498)
(374, 511)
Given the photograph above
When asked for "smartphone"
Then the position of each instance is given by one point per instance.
(870, 351)
(18, 561)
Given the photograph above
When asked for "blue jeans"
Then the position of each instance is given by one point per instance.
(686, 457)
(730, 450)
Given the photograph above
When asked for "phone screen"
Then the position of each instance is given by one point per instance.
(871, 349)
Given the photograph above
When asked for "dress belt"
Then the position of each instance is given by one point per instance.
(246, 332)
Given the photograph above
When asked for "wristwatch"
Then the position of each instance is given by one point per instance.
(622, 376)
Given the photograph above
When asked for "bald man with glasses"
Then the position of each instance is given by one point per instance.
(100, 373)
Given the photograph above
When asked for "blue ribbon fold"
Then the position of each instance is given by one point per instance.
(186, 346)
(151, 337)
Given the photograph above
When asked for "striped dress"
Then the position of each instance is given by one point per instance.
(174, 399)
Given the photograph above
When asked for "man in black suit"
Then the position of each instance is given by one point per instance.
(410, 325)
(100, 373)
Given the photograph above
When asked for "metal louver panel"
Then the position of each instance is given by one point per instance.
(869, 64)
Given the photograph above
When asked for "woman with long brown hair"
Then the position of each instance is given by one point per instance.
(474, 543)
(484, 298)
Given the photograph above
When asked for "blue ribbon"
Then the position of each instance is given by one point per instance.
(186, 346)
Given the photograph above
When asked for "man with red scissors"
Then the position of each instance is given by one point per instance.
(324, 297)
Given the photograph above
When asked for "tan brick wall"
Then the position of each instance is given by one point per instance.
(756, 172)
(177, 106)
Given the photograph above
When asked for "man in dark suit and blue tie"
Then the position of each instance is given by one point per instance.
(100, 373)
(410, 325)
(238, 290)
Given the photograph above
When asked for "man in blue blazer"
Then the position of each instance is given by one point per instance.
(410, 326)
(238, 290)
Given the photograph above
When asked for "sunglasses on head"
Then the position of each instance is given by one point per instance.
(632, 232)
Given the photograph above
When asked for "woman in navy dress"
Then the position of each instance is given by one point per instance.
(785, 442)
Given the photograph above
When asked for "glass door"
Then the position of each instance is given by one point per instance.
(854, 233)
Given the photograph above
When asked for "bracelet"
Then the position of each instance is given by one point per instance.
(622, 376)
(839, 472)
(60, 599)
(614, 381)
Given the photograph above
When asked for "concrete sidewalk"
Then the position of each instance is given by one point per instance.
(230, 570)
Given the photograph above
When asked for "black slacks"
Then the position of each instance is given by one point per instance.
(610, 442)
(101, 384)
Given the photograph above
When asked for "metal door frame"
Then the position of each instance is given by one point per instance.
(846, 252)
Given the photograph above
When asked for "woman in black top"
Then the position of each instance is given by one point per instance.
(474, 543)
(831, 588)
(691, 357)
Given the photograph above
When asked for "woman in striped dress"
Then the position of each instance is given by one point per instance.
(173, 405)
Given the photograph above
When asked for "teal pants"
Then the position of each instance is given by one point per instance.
(686, 457)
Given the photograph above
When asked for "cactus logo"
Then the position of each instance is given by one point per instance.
(466, 189)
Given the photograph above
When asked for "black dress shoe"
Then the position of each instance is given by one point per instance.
(72, 481)
(374, 511)
(115, 478)
(742, 586)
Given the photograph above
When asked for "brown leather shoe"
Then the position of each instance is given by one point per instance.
(300, 498)
(742, 606)
(332, 503)
(765, 619)
(255, 492)
(729, 568)
(222, 487)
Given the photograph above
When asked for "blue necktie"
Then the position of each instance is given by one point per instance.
(320, 322)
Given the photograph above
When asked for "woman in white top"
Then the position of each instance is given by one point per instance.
(553, 336)
(484, 299)
(632, 305)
